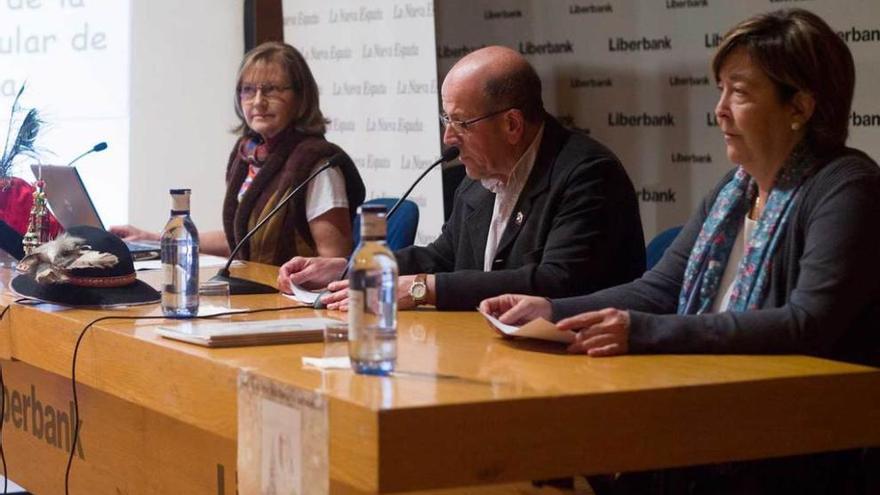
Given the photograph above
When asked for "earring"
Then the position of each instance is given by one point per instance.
(795, 126)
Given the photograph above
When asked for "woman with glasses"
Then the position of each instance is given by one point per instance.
(281, 144)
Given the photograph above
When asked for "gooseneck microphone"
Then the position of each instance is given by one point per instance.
(449, 154)
(98, 147)
(243, 286)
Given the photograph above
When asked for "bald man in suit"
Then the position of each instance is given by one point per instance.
(543, 210)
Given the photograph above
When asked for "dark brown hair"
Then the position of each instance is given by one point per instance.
(307, 116)
(799, 52)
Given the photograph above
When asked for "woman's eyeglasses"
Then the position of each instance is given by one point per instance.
(248, 92)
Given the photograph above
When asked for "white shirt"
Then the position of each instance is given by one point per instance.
(325, 192)
(737, 251)
(506, 196)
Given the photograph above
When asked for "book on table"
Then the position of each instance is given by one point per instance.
(210, 333)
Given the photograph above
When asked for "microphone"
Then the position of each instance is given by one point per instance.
(449, 154)
(242, 286)
(98, 147)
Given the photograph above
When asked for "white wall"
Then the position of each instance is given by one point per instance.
(184, 56)
(376, 70)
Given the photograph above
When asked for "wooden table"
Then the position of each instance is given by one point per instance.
(467, 408)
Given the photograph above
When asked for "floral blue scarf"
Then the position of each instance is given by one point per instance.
(711, 251)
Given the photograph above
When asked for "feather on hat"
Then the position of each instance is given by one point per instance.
(50, 263)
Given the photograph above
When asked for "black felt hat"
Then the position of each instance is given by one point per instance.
(86, 266)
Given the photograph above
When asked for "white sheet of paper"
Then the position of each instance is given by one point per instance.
(208, 310)
(535, 329)
(303, 295)
(327, 363)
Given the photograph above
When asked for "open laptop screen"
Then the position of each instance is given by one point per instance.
(68, 197)
(72, 205)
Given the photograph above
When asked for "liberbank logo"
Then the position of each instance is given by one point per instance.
(712, 40)
(864, 119)
(854, 35)
(656, 196)
(591, 82)
(686, 4)
(688, 80)
(446, 51)
(691, 158)
(593, 8)
(620, 119)
(29, 414)
(545, 48)
(639, 44)
(501, 14)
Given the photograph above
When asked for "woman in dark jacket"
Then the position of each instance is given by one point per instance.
(782, 257)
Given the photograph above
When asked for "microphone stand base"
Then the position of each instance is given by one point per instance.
(240, 286)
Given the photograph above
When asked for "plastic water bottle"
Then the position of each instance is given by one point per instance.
(372, 298)
(180, 259)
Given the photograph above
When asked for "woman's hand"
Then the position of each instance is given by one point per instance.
(517, 309)
(599, 333)
(132, 233)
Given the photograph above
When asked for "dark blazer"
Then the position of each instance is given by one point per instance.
(580, 230)
(824, 288)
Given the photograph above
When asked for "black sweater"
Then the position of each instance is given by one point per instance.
(824, 288)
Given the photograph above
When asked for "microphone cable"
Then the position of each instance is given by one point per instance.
(3, 417)
(3, 410)
(76, 419)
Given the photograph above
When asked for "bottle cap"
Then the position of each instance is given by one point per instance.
(372, 221)
(180, 200)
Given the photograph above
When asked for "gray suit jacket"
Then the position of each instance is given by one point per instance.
(580, 230)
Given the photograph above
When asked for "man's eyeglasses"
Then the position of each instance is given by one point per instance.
(463, 126)
(248, 92)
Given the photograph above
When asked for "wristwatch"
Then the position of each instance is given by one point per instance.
(419, 289)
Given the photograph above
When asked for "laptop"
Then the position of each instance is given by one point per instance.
(71, 204)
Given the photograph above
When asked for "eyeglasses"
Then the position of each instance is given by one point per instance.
(248, 92)
(463, 126)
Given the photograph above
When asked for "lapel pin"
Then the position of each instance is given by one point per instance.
(519, 218)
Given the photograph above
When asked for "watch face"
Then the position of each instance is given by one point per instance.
(418, 291)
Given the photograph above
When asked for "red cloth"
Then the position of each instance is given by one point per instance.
(16, 200)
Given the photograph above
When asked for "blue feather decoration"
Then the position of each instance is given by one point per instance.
(23, 144)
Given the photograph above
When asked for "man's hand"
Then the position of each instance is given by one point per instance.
(338, 298)
(599, 333)
(309, 273)
(517, 309)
